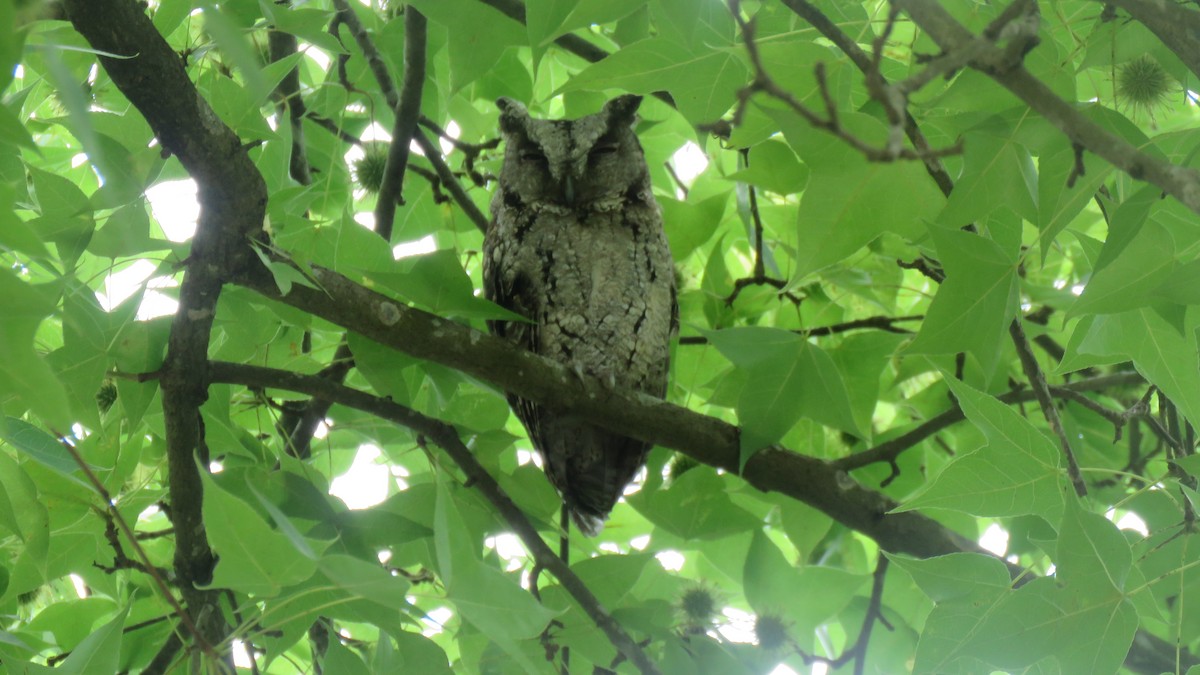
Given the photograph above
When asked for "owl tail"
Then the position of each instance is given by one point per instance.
(588, 523)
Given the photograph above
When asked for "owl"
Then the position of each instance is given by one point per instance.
(576, 245)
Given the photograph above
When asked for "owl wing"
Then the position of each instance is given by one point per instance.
(512, 290)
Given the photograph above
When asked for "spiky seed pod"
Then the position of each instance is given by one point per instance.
(1143, 84)
(699, 606)
(106, 396)
(368, 169)
(770, 632)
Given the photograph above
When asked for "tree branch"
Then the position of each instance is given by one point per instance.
(407, 110)
(445, 436)
(1041, 390)
(714, 442)
(1180, 182)
(233, 199)
(822, 485)
(1174, 24)
(432, 152)
(281, 45)
(888, 451)
(830, 123)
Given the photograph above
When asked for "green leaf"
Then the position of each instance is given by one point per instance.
(848, 201)
(548, 19)
(702, 82)
(252, 557)
(771, 583)
(967, 577)
(975, 305)
(234, 44)
(310, 25)
(418, 654)
(369, 581)
(12, 130)
(1058, 202)
(16, 233)
(23, 373)
(612, 577)
(452, 546)
(495, 604)
(773, 166)
(1143, 265)
(787, 377)
(1161, 352)
(696, 506)
(58, 196)
(479, 35)
(690, 225)
(43, 448)
(436, 282)
(339, 659)
(1016, 473)
(126, 233)
(99, 652)
(997, 172)
(1092, 553)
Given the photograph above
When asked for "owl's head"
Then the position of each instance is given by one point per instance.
(573, 162)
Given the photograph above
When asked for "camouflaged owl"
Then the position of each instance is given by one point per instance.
(576, 245)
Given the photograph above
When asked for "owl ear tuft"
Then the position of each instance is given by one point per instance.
(622, 110)
(513, 115)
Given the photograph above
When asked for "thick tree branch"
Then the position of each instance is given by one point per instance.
(996, 62)
(233, 200)
(445, 436)
(529, 376)
(820, 484)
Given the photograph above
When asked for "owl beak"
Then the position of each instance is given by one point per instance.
(569, 189)
(571, 176)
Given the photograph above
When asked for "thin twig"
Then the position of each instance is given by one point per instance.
(931, 16)
(432, 152)
(146, 566)
(888, 451)
(763, 83)
(883, 323)
(1037, 380)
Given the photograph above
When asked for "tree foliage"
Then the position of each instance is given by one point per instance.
(936, 276)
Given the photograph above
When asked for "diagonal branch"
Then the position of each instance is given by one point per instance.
(445, 436)
(1041, 390)
(1175, 24)
(408, 109)
(994, 61)
(529, 376)
(888, 451)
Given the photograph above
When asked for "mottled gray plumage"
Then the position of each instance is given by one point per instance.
(576, 245)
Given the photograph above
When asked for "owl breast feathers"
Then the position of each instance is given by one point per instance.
(576, 245)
